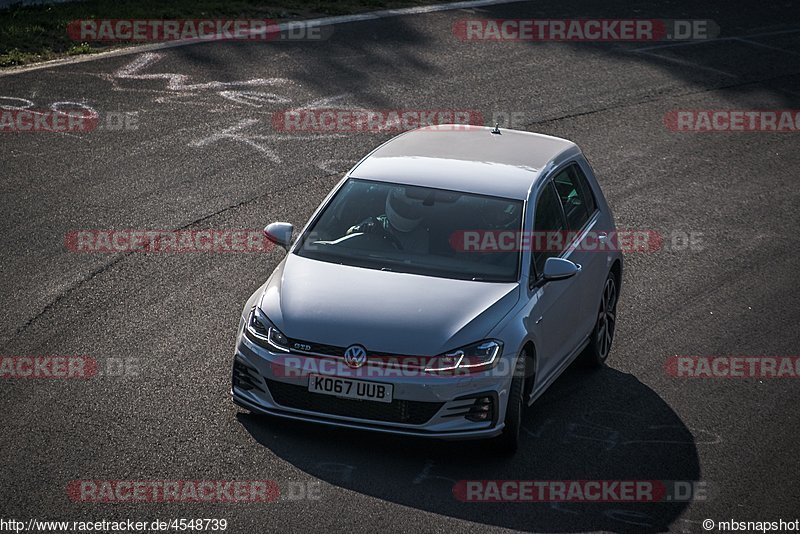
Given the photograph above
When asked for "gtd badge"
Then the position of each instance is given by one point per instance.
(355, 356)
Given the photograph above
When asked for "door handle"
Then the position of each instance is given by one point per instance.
(539, 320)
(602, 237)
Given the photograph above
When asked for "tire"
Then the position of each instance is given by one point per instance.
(508, 441)
(605, 325)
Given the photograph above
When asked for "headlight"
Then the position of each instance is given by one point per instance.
(262, 332)
(476, 357)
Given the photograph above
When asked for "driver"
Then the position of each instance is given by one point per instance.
(496, 216)
(400, 225)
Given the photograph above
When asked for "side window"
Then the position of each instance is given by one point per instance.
(548, 223)
(588, 196)
(573, 198)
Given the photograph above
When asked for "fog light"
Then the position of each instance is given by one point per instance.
(245, 377)
(481, 410)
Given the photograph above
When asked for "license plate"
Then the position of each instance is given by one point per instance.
(350, 389)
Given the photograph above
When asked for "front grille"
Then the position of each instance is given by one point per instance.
(374, 358)
(317, 348)
(245, 377)
(397, 411)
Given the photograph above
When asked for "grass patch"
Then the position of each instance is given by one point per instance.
(30, 34)
(75, 50)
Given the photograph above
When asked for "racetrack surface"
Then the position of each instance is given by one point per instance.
(205, 155)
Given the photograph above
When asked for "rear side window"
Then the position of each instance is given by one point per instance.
(575, 195)
(588, 196)
(548, 220)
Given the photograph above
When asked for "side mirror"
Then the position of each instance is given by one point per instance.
(560, 269)
(280, 233)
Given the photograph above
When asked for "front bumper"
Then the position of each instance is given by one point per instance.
(423, 405)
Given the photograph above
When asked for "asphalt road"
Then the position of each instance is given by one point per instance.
(205, 155)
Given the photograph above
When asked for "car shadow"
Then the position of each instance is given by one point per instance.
(590, 425)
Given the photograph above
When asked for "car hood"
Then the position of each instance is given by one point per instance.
(390, 312)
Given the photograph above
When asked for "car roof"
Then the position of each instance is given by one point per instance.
(465, 158)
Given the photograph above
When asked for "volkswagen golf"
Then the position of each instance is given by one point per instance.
(444, 283)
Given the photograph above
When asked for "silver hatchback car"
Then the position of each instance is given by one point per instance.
(441, 287)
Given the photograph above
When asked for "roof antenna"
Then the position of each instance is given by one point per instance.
(496, 130)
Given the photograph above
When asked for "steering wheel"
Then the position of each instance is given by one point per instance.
(373, 227)
(373, 234)
(388, 236)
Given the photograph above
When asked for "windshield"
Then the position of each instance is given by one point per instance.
(412, 229)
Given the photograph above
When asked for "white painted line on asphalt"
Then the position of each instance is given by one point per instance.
(687, 63)
(238, 133)
(180, 82)
(714, 40)
(762, 45)
(325, 21)
(746, 39)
